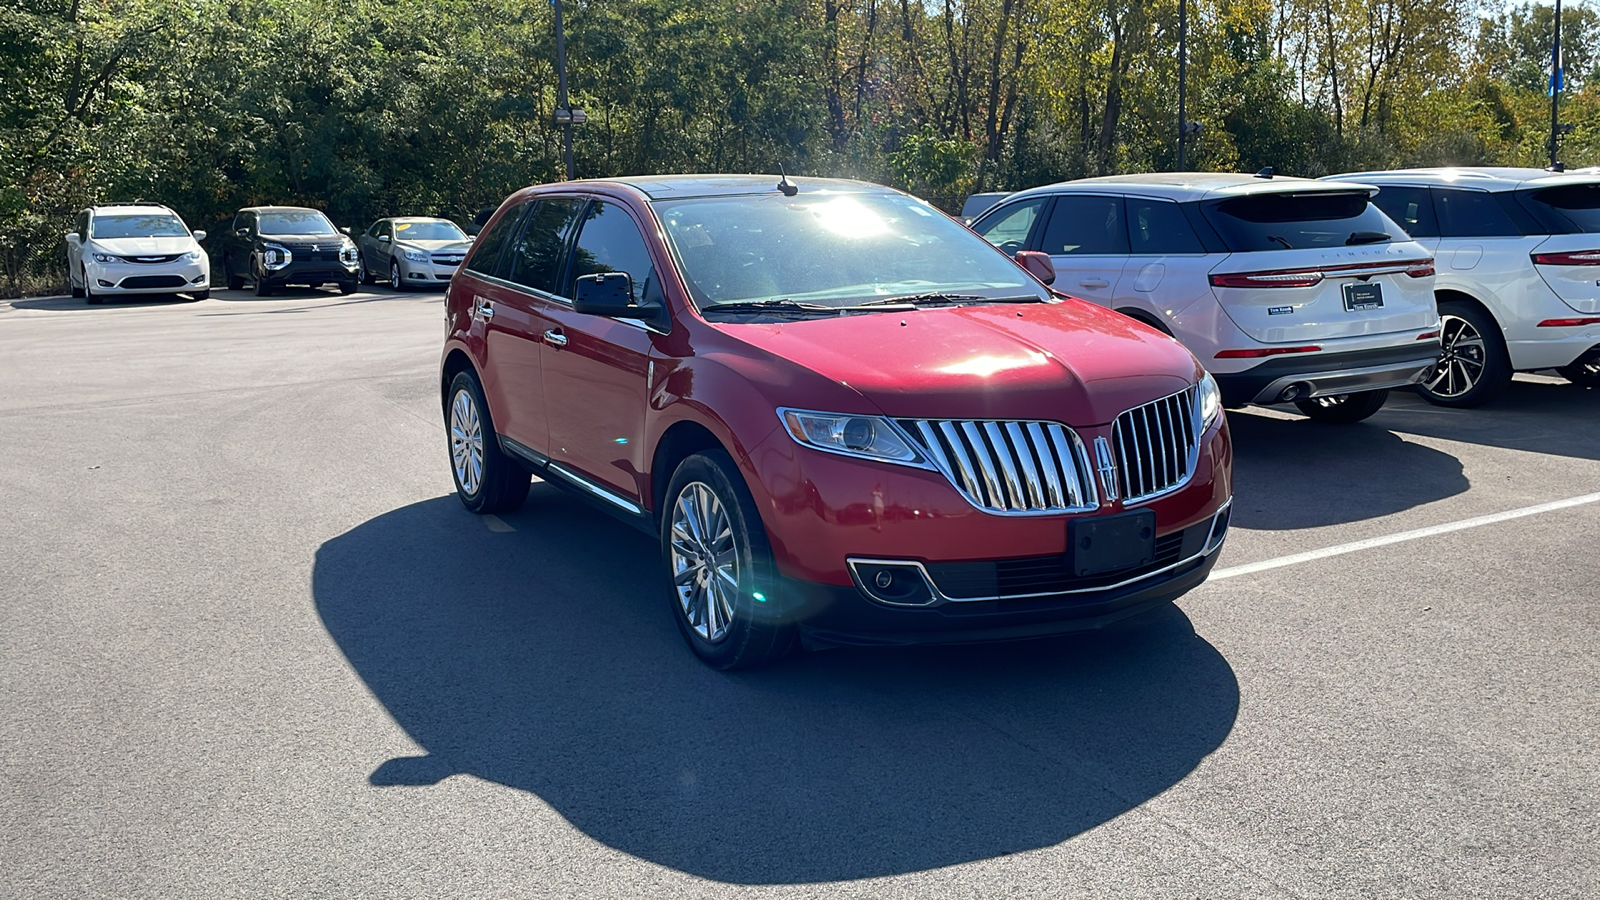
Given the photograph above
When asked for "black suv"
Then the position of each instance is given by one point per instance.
(275, 246)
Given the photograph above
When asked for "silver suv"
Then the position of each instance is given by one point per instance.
(1518, 271)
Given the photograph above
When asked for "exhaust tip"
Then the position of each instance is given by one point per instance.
(1294, 392)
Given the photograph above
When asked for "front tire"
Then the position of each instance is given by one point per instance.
(1473, 365)
(487, 480)
(89, 296)
(723, 577)
(197, 296)
(1343, 409)
(346, 288)
(395, 281)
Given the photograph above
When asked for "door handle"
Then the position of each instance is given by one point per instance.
(484, 309)
(555, 338)
(1093, 282)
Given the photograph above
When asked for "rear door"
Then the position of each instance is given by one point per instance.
(596, 370)
(1167, 263)
(1317, 264)
(1086, 236)
(501, 313)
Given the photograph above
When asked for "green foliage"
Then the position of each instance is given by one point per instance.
(375, 107)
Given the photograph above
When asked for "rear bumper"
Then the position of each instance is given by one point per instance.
(1328, 374)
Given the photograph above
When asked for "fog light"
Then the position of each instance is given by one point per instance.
(198, 279)
(893, 583)
(105, 283)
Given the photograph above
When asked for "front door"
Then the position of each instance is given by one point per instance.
(1087, 239)
(596, 370)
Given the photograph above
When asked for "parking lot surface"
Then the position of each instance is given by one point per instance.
(253, 646)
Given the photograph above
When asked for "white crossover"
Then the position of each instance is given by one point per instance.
(1518, 253)
(1288, 290)
(134, 249)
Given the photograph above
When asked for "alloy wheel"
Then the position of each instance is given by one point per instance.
(1462, 357)
(395, 281)
(705, 561)
(466, 442)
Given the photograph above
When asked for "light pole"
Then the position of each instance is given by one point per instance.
(1555, 86)
(1183, 73)
(565, 115)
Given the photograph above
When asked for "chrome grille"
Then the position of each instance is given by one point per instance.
(448, 259)
(1018, 468)
(1157, 445)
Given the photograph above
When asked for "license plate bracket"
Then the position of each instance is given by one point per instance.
(1359, 297)
(1104, 544)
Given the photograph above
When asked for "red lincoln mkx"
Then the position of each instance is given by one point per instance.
(848, 418)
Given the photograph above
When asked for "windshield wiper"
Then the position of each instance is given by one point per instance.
(776, 307)
(1366, 237)
(936, 298)
(1283, 241)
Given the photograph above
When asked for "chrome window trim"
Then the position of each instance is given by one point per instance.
(558, 300)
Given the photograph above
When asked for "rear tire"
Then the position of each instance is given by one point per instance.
(1473, 365)
(77, 290)
(724, 591)
(366, 273)
(1343, 409)
(487, 480)
(235, 282)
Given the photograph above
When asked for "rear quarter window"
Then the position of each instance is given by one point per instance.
(490, 246)
(1297, 221)
(1569, 209)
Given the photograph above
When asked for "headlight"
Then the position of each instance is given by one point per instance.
(349, 255)
(867, 437)
(415, 255)
(192, 255)
(104, 258)
(275, 257)
(1210, 399)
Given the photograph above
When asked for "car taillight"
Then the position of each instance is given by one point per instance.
(1428, 335)
(1421, 269)
(1574, 258)
(1258, 352)
(1570, 323)
(1281, 278)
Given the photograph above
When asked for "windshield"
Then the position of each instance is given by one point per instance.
(308, 222)
(1292, 221)
(1572, 207)
(428, 231)
(831, 249)
(137, 226)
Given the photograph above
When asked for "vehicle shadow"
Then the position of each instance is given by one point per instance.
(545, 660)
(1296, 473)
(1541, 415)
(64, 303)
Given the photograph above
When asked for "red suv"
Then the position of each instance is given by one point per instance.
(848, 418)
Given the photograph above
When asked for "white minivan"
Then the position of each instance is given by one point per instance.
(1519, 271)
(120, 250)
(1288, 290)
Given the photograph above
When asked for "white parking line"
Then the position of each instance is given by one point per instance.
(1414, 534)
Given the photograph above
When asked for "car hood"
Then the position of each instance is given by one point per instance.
(1071, 362)
(321, 240)
(144, 246)
(437, 246)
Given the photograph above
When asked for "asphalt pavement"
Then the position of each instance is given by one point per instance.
(253, 647)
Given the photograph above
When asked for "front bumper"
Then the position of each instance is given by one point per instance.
(312, 273)
(419, 274)
(837, 616)
(1329, 374)
(135, 278)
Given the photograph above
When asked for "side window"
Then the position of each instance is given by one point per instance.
(1085, 225)
(491, 245)
(386, 229)
(1159, 227)
(538, 253)
(1471, 214)
(1410, 207)
(83, 225)
(611, 242)
(1008, 226)
(375, 230)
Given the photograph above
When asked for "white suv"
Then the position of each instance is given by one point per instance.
(1519, 271)
(1288, 290)
(123, 249)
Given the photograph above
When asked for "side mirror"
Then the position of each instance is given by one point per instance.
(1038, 265)
(243, 232)
(347, 231)
(383, 239)
(610, 294)
(199, 235)
(73, 238)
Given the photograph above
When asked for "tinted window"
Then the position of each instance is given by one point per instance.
(297, 222)
(1577, 206)
(376, 229)
(1291, 221)
(1085, 225)
(832, 249)
(1411, 208)
(1159, 227)
(1008, 227)
(1471, 214)
(538, 253)
(611, 242)
(491, 245)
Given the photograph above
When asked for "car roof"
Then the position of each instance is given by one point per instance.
(1491, 178)
(281, 209)
(661, 187)
(1185, 185)
(133, 209)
